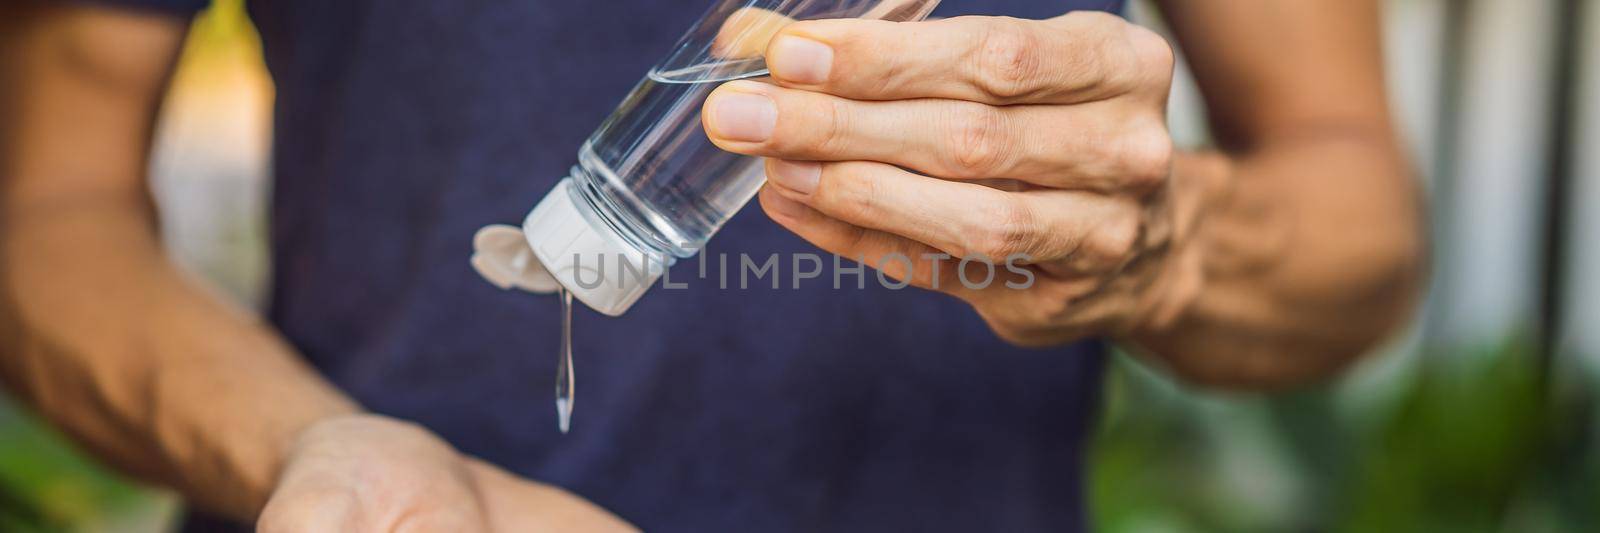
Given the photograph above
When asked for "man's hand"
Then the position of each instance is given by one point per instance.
(995, 138)
(983, 138)
(374, 474)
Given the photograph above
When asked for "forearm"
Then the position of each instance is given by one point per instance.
(115, 346)
(1311, 251)
(98, 330)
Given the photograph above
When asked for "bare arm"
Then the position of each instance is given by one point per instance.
(99, 331)
(109, 341)
(1272, 261)
(1312, 239)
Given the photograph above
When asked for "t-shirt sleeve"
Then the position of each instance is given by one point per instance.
(177, 7)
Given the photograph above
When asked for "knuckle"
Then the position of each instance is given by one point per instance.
(886, 58)
(1118, 55)
(1147, 159)
(1007, 59)
(829, 132)
(980, 143)
(1152, 51)
(1114, 241)
(1096, 68)
(1007, 228)
(843, 193)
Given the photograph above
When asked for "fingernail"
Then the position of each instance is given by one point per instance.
(800, 176)
(747, 117)
(782, 205)
(800, 60)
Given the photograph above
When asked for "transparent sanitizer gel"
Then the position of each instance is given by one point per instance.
(649, 187)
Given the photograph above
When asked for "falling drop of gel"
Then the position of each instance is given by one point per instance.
(564, 378)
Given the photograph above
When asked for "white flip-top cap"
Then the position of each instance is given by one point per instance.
(586, 255)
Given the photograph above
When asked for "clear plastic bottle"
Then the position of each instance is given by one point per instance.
(651, 166)
(649, 187)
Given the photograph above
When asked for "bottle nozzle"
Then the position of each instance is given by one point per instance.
(501, 255)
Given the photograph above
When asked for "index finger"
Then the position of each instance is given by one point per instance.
(1074, 58)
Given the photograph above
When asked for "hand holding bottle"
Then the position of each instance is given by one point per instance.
(981, 137)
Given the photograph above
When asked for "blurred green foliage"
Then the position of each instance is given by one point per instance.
(47, 485)
(1466, 442)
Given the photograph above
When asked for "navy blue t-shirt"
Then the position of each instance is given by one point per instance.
(402, 126)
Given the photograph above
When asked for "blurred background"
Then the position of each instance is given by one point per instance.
(1480, 417)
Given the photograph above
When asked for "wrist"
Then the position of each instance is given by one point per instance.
(1199, 184)
(294, 438)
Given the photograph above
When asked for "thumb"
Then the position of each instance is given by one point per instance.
(746, 32)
